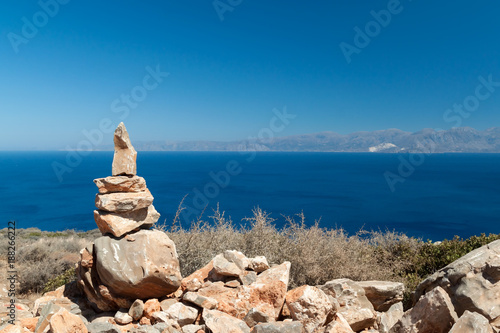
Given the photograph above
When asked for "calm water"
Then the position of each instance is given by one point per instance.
(449, 194)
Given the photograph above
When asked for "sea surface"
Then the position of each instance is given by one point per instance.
(432, 196)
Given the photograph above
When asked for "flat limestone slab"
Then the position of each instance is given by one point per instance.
(122, 202)
(120, 184)
(118, 224)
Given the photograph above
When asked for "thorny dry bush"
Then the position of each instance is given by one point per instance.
(316, 254)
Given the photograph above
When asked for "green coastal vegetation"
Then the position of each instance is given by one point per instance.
(46, 260)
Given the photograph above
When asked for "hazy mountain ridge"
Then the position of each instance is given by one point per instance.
(463, 139)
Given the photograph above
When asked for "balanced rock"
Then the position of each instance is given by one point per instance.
(121, 202)
(119, 224)
(144, 265)
(124, 160)
(120, 184)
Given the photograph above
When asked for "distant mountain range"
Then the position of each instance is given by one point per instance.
(463, 140)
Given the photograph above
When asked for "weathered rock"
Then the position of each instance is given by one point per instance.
(433, 313)
(64, 322)
(166, 303)
(472, 282)
(386, 320)
(233, 283)
(338, 325)
(29, 323)
(124, 160)
(259, 264)
(136, 309)
(201, 301)
(88, 280)
(225, 267)
(354, 306)
(146, 267)
(150, 307)
(220, 322)
(196, 280)
(238, 258)
(145, 329)
(248, 277)
(471, 322)
(122, 317)
(45, 314)
(122, 202)
(310, 306)
(279, 327)
(118, 224)
(101, 327)
(13, 329)
(383, 294)
(193, 328)
(254, 317)
(182, 314)
(120, 184)
(267, 294)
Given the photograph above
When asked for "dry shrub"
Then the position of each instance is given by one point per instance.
(43, 255)
(316, 254)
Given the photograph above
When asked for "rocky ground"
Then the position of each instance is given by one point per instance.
(234, 293)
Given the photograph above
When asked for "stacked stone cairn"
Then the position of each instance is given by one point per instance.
(129, 261)
(129, 281)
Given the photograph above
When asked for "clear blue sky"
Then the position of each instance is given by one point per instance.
(226, 76)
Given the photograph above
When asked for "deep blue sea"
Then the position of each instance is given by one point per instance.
(440, 196)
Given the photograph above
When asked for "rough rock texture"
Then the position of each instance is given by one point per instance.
(471, 322)
(122, 202)
(89, 282)
(254, 317)
(144, 265)
(64, 322)
(259, 264)
(201, 301)
(310, 306)
(120, 184)
(386, 320)
(182, 314)
(220, 322)
(354, 306)
(225, 267)
(120, 224)
(136, 309)
(338, 325)
(266, 294)
(150, 307)
(433, 313)
(472, 282)
(279, 327)
(124, 160)
(383, 294)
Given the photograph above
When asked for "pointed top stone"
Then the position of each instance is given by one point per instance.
(124, 161)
